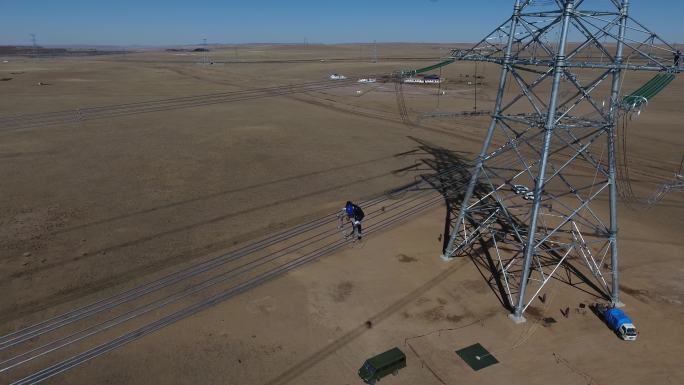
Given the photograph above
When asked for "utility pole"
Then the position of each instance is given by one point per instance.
(475, 108)
(375, 51)
(529, 201)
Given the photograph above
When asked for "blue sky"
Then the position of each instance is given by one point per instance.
(170, 22)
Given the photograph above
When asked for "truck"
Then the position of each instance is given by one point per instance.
(617, 321)
(384, 364)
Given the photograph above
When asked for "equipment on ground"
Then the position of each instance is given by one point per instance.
(618, 322)
(477, 357)
(382, 365)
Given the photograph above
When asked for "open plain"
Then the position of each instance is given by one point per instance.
(98, 201)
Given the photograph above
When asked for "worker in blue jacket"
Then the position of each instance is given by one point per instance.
(355, 215)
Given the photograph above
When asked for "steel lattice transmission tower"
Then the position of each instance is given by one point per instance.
(34, 45)
(542, 199)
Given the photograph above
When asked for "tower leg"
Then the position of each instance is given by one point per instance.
(613, 193)
(449, 250)
(531, 245)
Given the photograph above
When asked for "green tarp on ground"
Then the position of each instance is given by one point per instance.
(477, 357)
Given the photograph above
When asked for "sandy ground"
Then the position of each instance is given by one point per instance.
(95, 207)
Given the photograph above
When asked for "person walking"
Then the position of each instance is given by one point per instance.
(354, 214)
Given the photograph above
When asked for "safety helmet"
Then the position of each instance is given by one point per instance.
(349, 208)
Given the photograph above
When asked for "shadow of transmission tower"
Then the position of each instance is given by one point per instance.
(449, 173)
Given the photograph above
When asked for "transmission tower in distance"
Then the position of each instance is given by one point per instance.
(542, 200)
(34, 44)
(205, 50)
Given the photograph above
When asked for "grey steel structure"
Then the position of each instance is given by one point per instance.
(542, 200)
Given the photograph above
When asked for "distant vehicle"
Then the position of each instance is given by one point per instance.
(367, 80)
(618, 321)
(337, 77)
(519, 189)
(524, 191)
(382, 365)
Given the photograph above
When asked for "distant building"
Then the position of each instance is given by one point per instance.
(337, 77)
(423, 79)
(367, 80)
